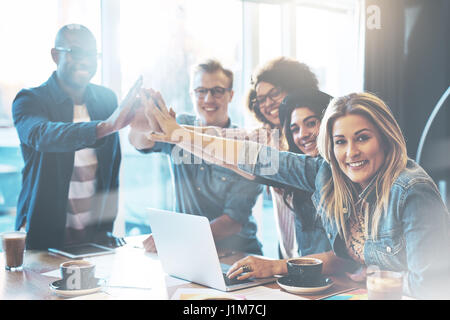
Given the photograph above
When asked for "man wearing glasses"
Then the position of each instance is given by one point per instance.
(202, 188)
(70, 145)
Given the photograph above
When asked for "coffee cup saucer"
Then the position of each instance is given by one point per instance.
(58, 288)
(293, 286)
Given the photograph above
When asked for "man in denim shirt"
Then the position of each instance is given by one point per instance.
(68, 135)
(201, 188)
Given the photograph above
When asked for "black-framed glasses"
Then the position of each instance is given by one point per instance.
(79, 54)
(273, 94)
(216, 92)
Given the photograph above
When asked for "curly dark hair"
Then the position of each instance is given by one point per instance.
(286, 73)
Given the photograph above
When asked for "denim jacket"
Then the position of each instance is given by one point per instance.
(413, 233)
(313, 240)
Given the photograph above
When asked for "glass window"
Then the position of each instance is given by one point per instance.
(269, 31)
(26, 59)
(328, 41)
(178, 34)
(162, 40)
(27, 37)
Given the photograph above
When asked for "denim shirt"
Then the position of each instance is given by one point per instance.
(209, 190)
(413, 234)
(43, 117)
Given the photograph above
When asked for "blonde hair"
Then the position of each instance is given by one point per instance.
(211, 66)
(340, 193)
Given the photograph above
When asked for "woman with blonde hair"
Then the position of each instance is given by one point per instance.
(377, 206)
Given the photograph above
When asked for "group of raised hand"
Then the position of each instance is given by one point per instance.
(145, 111)
(153, 117)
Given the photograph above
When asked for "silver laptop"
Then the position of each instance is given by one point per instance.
(187, 251)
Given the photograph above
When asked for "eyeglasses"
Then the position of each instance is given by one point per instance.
(79, 54)
(273, 94)
(216, 92)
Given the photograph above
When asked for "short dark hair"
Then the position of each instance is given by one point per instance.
(60, 40)
(286, 73)
(212, 66)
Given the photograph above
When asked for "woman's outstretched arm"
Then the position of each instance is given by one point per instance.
(224, 151)
(257, 159)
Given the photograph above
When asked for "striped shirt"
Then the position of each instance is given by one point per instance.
(82, 187)
(285, 224)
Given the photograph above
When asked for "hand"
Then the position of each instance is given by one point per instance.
(156, 108)
(149, 245)
(143, 120)
(123, 115)
(260, 268)
(140, 122)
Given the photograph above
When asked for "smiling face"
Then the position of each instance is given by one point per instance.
(270, 99)
(304, 128)
(212, 110)
(357, 147)
(76, 72)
